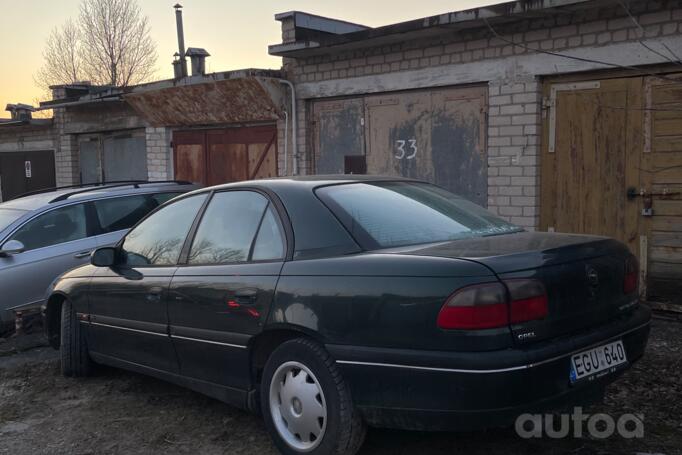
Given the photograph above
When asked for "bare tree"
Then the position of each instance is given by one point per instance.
(62, 55)
(110, 44)
(117, 48)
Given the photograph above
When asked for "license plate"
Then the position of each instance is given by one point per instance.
(598, 361)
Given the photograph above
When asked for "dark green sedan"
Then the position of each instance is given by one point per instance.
(332, 303)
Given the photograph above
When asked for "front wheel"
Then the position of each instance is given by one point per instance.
(75, 359)
(306, 404)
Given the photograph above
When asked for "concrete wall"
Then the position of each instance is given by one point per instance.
(514, 75)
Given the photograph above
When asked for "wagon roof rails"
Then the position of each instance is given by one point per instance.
(117, 184)
(80, 185)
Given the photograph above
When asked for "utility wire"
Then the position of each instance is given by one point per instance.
(580, 59)
(634, 20)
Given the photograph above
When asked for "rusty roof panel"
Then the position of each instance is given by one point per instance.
(236, 100)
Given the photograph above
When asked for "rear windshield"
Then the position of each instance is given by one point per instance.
(8, 216)
(390, 214)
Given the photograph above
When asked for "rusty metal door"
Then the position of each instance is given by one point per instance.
(215, 156)
(339, 132)
(591, 156)
(433, 135)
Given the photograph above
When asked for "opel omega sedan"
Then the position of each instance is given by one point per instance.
(332, 303)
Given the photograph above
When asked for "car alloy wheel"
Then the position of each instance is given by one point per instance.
(298, 406)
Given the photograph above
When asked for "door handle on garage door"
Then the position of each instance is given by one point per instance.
(82, 254)
(246, 296)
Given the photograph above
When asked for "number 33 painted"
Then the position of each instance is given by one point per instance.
(402, 153)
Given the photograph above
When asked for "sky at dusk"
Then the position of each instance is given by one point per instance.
(235, 33)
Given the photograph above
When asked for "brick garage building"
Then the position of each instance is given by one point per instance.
(27, 152)
(549, 112)
(208, 129)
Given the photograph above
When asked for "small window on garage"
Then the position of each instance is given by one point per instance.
(61, 225)
(228, 228)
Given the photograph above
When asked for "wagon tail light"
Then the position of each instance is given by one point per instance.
(631, 280)
(491, 305)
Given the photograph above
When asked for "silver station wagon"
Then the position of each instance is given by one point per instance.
(44, 234)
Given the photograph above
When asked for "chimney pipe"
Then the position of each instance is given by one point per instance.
(181, 40)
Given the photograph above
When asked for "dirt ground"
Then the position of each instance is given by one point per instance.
(118, 412)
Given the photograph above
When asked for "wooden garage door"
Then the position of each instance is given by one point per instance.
(612, 149)
(591, 157)
(662, 181)
(433, 135)
(215, 156)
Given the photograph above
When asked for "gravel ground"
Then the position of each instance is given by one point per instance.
(120, 412)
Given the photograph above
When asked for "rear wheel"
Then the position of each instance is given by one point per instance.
(75, 360)
(306, 404)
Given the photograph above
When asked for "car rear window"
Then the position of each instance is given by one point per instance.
(390, 214)
(8, 216)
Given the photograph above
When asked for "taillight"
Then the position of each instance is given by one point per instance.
(490, 305)
(528, 300)
(631, 280)
(482, 306)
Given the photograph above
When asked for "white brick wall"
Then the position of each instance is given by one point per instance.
(514, 117)
(159, 153)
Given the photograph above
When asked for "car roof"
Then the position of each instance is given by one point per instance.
(62, 196)
(310, 181)
(316, 230)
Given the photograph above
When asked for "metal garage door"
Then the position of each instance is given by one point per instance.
(113, 157)
(21, 172)
(215, 156)
(434, 135)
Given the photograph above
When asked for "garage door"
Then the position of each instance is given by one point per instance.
(215, 156)
(113, 157)
(433, 135)
(612, 165)
(21, 172)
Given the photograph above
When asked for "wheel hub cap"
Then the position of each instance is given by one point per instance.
(298, 406)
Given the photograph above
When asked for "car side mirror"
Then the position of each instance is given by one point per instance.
(103, 257)
(12, 247)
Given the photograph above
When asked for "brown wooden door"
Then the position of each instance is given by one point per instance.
(662, 180)
(591, 156)
(215, 156)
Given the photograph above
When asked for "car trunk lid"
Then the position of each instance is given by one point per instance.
(583, 275)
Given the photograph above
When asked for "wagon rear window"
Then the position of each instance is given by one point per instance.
(389, 214)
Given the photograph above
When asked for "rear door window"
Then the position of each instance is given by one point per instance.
(120, 213)
(228, 229)
(61, 225)
(162, 198)
(269, 244)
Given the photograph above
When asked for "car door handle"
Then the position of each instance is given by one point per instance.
(246, 296)
(82, 254)
(154, 294)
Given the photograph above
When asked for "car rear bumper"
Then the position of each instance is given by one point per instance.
(435, 390)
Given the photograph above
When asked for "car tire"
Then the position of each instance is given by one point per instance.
(302, 389)
(75, 359)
